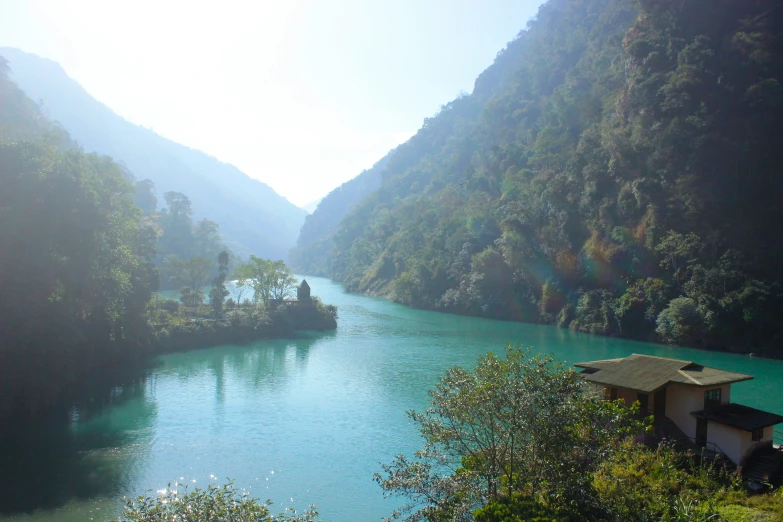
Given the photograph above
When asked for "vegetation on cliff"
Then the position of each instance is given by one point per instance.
(615, 171)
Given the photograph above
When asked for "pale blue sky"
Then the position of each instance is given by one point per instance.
(302, 95)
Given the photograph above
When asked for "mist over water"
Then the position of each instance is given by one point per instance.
(298, 421)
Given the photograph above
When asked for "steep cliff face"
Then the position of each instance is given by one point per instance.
(253, 218)
(616, 171)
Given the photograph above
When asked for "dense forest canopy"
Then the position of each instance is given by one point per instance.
(254, 219)
(615, 171)
(76, 258)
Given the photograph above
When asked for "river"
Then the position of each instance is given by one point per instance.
(299, 421)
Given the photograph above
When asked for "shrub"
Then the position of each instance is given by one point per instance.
(515, 509)
(215, 502)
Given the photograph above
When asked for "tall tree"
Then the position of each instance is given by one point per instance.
(193, 272)
(218, 294)
(270, 280)
(518, 424)
(145, 197)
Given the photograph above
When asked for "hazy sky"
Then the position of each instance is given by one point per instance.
(302, 95)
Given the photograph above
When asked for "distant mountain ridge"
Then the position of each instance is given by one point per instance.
(253, 218)
(312, 254)
(310, 207)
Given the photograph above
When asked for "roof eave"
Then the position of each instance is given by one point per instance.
(720, 383)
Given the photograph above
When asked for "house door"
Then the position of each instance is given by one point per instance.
(659, 408)
(701, 432)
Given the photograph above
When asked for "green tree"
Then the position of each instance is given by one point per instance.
(218, 294)
(190, 298)
(145, 197)
(270, 280)
(678, 252)
(176, 223)
(519, 424)
(684, 320)
(638, 308)
(192, 272)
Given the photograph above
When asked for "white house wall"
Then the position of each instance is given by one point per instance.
(729, 440)
(682, 399)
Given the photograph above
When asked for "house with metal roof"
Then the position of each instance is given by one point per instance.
(696, 398)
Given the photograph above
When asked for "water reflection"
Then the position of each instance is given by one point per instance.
(309, 418)
(254, 364)
(92, 446)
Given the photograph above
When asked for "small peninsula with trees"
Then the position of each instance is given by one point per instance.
(83, 251)
(198, 320)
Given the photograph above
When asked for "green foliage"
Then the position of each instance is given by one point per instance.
(683, 321)
(215, 502)
(145, 197)
(192, 272)
(218, 294)
(270, 280)
(618, 155)
(186, 250)
(638, 309)
(639, 483)
(518, 425)
(515, 509)
(737, 506)
(594, 313)
(190, 297)
(75, 267)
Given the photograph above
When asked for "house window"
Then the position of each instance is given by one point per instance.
(711, 399)
(757, 434)
(613, 394)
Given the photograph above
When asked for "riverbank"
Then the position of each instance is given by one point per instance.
(769, 351)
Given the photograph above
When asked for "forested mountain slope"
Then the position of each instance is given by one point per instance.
(313, 249)
(75, 259)
(253, 217)
(617, 170)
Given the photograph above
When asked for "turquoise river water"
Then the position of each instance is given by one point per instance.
(298, 421)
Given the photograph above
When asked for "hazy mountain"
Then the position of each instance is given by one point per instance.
(312, 254)
(253, 218)
(310, 207)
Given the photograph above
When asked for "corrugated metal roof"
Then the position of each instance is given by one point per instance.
(647, 374)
